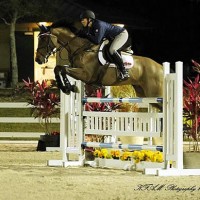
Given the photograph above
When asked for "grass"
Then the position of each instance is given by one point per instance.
(15, 112)
(26, 127)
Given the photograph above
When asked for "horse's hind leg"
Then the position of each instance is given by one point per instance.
(63, 82)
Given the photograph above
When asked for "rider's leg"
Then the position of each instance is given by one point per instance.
(117, 43)
(119, 62)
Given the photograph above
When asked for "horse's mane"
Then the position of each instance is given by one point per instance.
(65, 23)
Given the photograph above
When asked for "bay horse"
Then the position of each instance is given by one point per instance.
(146, 75)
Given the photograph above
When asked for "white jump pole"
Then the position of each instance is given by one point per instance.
(71, 127)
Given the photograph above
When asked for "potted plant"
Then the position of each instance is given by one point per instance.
(191, 113)
(118, 158)
(113, 158)
(191, 108)
(45, 101)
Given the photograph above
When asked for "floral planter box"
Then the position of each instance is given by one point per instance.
(113, 163)
(144, 164)
(51, 140)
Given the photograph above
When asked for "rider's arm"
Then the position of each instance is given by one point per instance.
(97, 33)
(83, 33)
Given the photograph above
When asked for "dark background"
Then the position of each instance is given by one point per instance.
(164, 30)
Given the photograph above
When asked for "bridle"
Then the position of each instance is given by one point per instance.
(49, 45)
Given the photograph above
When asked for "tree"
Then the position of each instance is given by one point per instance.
(12, 11)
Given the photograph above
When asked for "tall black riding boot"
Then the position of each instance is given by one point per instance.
(120, 65)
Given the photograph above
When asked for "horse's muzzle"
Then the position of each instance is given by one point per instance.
(38, 61)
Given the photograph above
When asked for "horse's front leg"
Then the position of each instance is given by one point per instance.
(63, 82)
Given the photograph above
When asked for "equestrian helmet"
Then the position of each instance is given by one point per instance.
(87, 14)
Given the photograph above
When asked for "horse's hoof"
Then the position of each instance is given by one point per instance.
(66, 91)
(74, 89)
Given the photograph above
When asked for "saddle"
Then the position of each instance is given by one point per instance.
(106, 59)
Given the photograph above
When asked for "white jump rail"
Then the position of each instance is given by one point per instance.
(8, 120)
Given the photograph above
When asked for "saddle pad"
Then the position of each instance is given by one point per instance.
(127, 58)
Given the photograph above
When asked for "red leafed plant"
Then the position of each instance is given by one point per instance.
(191, 107)
(45, 102)
(196, 66)
(101, 106)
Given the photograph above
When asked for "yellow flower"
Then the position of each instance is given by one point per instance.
(96, 153)
(117, 153)
(100, 155)
(147, 155)
(159, 157)
(142, 155)
(126, 155)
(112, 152)
(104, 153)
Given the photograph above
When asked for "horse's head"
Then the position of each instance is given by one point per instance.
(46, 45)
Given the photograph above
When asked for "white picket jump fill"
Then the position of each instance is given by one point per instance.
(123, 123)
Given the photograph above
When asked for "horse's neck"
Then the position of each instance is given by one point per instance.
(77, 45)
(72, 43)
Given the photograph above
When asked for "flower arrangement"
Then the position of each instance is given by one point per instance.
(143, 155)
(147, 155)
(110, 154)
(44, 100)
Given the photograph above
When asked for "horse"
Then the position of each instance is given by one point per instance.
(146, 75)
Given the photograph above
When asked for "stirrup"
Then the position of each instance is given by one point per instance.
(122, 77)
(125, 74)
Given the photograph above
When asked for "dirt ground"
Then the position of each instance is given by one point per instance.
(24, 175)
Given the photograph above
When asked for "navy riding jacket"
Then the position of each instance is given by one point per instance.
(100, 30)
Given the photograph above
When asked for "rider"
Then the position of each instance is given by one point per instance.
(96, 30)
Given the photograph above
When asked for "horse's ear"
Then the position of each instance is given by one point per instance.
(43, 28)
(38, 26)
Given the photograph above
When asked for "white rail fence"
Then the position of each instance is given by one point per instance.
(8, 120)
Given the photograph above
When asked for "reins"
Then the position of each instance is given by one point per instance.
(66, 46)
(63, 45)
